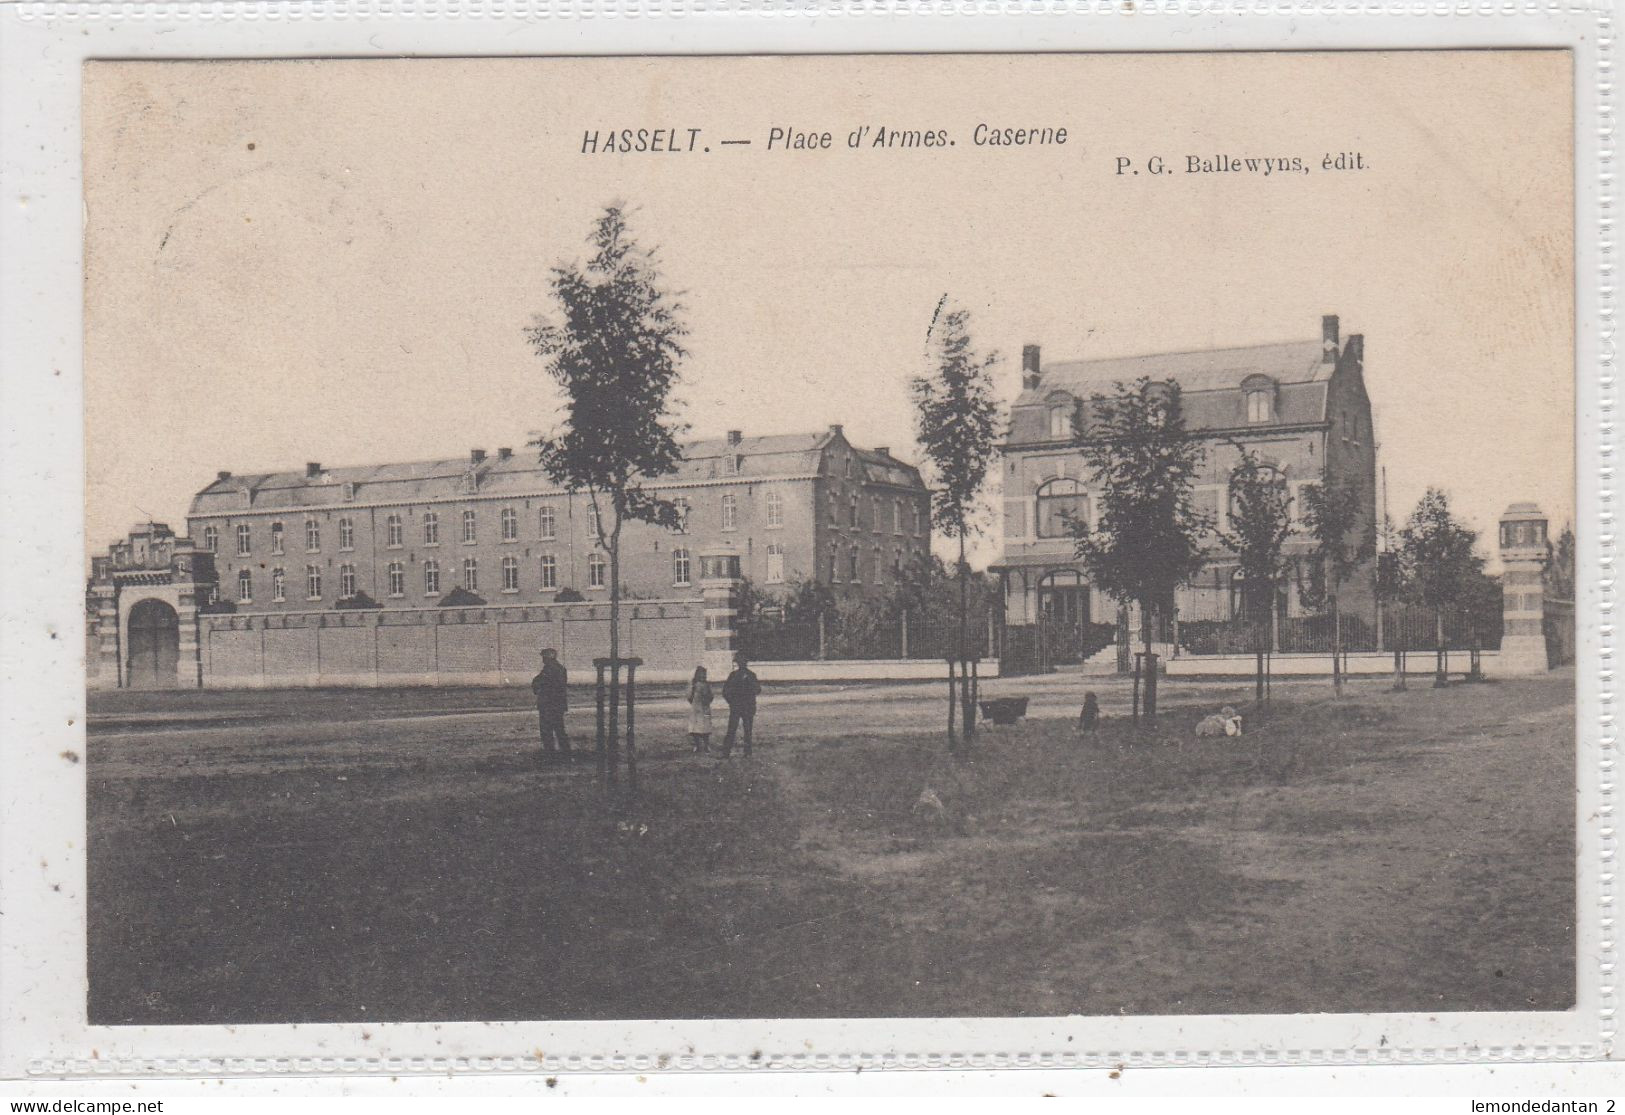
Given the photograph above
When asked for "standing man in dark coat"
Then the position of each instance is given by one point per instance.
(551, 689)
(740, 692)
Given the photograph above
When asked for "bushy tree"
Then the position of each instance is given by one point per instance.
(958, 425)
(1438, 556)
(1559, 572)
(614, 350)
(1144, 464)
(1332, 514)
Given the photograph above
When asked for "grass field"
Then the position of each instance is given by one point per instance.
(392, 855)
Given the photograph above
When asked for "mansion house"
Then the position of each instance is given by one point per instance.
(494, 528)
(1300, 407)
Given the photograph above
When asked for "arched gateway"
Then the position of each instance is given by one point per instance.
(155, 646)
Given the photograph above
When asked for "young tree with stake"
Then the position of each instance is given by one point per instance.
(1260, 521)
(1143, 463)
(1331, 512)
(615, 352)
(958, 425)
(1437, 555)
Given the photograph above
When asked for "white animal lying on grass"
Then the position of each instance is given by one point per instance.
(1225, 722)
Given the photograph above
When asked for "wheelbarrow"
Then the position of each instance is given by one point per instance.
(1004, 710)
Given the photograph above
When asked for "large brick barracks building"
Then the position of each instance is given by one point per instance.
(496, 528)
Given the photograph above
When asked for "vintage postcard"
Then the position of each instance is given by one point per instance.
(1069, 539)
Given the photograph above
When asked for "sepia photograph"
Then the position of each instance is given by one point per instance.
(830, 537)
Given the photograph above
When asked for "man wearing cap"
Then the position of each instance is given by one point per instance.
(551, 689)
(740, 692)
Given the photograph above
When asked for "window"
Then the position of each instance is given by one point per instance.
(469, 524)
(346, 534)
(897, 516)
(680, 568)
(918, 519)
(349, 491)
(834, 507)
(245, 586)
(550, 571)
(1260, 406)
(211, 539)
(313, 536)
(471, 575)
(510, 574)
(835, 562)
(1060, 421)
(346, 581)
(730, 512)
(849, 468)
(880, 566)
(431, 529)
(775, 563)
(852, 511)
(897, 563)
(1059, 500)
(681, 506)
(592, 521)
(313, 582)
(397, 579)
(276, 538)
(1266, 474)
(775, 508)
(393, 534)
(510, 525)
(549, 523)
(279, 585)
(431, 578)
(242, 540)
(595, 570)
(852, 564)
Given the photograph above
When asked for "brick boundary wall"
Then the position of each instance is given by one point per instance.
(480, 645)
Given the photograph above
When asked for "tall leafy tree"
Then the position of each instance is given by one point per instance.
(1332, 514)
(958, 424)
(1438, 555)
(614, 349)
(1260, 522)
(1144, 464)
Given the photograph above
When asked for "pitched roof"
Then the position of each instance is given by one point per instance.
(1210, 381)
(521, 474)
(1215, 369)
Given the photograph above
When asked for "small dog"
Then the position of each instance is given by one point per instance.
(1225, 722)
(1089, 718)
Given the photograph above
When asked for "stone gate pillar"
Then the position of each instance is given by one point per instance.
(720, 578)
(1523, 561)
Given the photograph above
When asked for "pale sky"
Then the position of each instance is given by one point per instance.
(334, 260)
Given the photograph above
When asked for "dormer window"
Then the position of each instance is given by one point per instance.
(1259, 391)
(1061, 407)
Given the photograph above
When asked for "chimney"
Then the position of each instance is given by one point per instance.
(1355, 349)
(504, 453)
(1031, 369)
(223, 474)
(313, 469)
(835, 429)
(883, 450)
(476, 456)
(1328, 339)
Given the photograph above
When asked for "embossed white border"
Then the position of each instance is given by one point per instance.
(42, 936)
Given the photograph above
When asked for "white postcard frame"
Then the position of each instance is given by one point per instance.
(42, 936)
